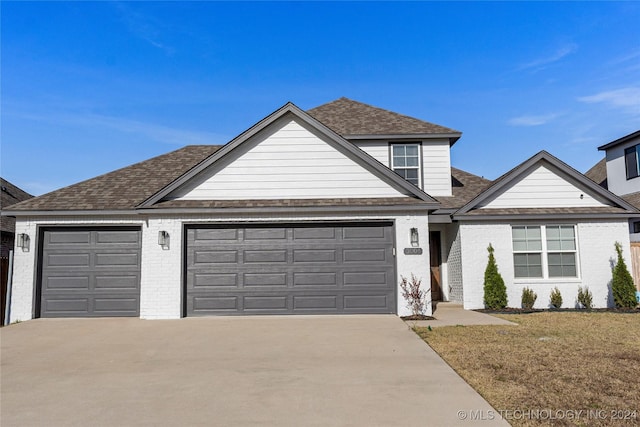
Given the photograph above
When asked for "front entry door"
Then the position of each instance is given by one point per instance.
(435, 261)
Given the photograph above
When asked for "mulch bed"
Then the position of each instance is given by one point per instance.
(418, 317)
(513, 310)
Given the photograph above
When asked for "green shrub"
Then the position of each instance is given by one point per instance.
(495, 291)
(585, 299)
(528, 298)
(624, 292)
(556, 298)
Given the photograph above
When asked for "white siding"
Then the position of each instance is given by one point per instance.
(436, 168)
(161, 270)
(287, 161)
(436, 162)
(616, 170)
(596, 241)
(543, 188)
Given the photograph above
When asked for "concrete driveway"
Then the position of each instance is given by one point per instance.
(263, 371)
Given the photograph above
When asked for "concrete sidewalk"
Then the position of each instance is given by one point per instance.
(449, 314)
(241, 371)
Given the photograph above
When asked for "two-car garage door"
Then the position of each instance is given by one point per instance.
(290, 269)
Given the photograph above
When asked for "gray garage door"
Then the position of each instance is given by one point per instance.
(290, 269)
(90, 272)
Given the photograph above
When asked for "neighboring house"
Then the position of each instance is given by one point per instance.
(619, 172)
(312, 212)
(10, 195)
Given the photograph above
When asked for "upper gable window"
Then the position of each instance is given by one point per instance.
(405, 161)
(631, 159)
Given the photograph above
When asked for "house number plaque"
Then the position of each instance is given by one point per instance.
(413, 251)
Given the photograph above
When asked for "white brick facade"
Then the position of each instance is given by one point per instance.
(162, 268)
(596, 253)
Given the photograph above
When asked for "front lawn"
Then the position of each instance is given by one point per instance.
(551, 366)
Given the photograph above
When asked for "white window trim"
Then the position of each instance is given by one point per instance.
(419, 167)
(545, 256)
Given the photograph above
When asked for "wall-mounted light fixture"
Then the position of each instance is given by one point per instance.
(163, 239)
(415, 238)
(23, 242)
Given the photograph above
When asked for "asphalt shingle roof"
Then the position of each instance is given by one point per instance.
(347, 117)
(285, 203)
(598, 173)
(124, 188)
(11, 195)
(465, 186)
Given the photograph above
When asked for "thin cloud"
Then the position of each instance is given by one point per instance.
(532, 120)
(541, 63)
(153, 131)
(143, 26)
(627, 99)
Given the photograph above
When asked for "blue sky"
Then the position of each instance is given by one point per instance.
(89, 87)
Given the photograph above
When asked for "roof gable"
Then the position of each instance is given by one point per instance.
(206, 180)
(352, 119)
(544, 182)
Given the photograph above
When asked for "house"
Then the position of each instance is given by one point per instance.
(619, 172)
(311, 212)
(10, 195)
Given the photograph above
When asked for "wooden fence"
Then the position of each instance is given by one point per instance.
(635, 263)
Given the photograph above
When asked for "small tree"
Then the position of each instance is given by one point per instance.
(624, 292)
(556, 298)
(585, 299)
(495, 291)
(413, 294)
(528, 298)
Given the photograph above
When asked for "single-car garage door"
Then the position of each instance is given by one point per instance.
(290, 269)
(90, 272)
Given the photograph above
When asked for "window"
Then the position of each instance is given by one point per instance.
(405, 161)
(631, 157)
(551, 256)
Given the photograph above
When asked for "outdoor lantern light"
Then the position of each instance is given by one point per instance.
(163, 239)
(23, 242)
(415, 238)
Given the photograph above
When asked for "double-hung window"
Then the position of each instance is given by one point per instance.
(632, 161)
(405, 161)
(544, 251)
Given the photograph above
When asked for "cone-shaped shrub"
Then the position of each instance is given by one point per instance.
(495, 292)
(556, 298)
(624, 292)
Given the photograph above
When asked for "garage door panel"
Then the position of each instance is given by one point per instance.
(373, 278)
(265, 234)
(315, 302)
(315, 279)
(215, 279)
(215, 257)
(68, 238)
(67, 306)
(265, 256)
(208, 304)
(205, 234)
(290, 269)
(66, 282)
(364, 255)
(265, 279)
(315, 255)
(90, 272)
(366, 302)
(265, 303)
(119, 237)
(322, 233)
(117, 259)
(68, 260)
(106, 283)
(115, 306)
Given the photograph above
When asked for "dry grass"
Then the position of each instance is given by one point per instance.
(551, 361)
